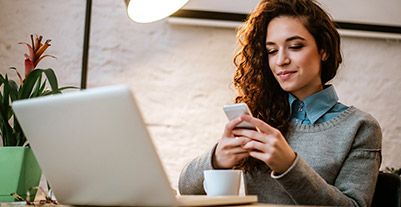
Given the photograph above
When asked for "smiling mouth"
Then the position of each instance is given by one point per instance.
(285, 75)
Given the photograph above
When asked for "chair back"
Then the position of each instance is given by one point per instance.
(388, 190)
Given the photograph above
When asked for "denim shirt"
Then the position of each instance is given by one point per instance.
(317, 108)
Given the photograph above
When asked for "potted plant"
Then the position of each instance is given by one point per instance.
(20, 171)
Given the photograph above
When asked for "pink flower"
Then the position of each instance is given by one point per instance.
(35, 54)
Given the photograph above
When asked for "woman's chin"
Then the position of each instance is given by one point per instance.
(288, 87)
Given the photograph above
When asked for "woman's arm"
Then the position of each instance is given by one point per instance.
(227, 153)
(191, 178)
(355, 182)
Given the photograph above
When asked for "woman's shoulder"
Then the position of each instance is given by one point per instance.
(368, 133)
(363, 117)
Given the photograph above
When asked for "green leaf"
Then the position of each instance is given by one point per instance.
(13, 90)
(3, 116)
(7, 133)
(29, 83)
(47, 92)
(51, 77)
(19, 134)
(68, 87)
(6, 113)
(42, 89)
(34, 85)
(36, 90)
(6, 98)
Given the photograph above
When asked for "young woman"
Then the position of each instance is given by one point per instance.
(309, 148)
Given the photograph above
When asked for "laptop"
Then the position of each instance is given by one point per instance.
(94, 149)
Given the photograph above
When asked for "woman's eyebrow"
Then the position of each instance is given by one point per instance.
(295, 37)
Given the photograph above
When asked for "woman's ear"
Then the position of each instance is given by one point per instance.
(323, 55)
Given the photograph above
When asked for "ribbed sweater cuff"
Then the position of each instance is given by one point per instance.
(275, 176)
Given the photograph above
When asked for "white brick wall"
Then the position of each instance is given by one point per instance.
(181, 74)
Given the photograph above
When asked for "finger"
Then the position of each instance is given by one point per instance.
(252, 134)
(260, 156)
(230, 126)
(242, 140)
(236, 151)
(236, 142)
(254, 145)
(268, 139)
(242, 156)
(261, 125)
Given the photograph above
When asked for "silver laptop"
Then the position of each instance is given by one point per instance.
(94, 149)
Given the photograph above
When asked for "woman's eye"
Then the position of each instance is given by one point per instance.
(296, 47)
(271, 51)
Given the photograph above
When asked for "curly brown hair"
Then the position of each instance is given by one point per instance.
(254, 80)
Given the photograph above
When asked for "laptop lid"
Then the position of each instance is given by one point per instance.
(94, 148)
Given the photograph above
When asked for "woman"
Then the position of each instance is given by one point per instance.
(309, 148)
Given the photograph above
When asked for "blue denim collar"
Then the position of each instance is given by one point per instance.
(316, 105)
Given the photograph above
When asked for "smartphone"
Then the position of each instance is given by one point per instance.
(233, 111)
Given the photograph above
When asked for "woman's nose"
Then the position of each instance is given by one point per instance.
(282, 58)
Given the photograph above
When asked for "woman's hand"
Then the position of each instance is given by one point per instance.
(229, 151)
(267, 145)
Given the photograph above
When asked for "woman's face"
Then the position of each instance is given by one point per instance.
(293, 56)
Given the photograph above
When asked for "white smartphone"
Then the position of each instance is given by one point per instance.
(233, 111)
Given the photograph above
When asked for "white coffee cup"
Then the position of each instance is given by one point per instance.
(221, 182)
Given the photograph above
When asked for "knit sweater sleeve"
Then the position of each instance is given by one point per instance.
(191, 178)
(355, 182)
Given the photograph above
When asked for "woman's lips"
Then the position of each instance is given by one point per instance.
(285, 75)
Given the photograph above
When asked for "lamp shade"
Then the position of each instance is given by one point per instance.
(145, 11)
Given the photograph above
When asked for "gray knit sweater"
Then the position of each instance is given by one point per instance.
(337, 164)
